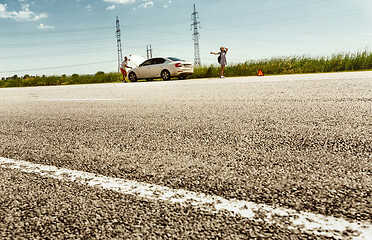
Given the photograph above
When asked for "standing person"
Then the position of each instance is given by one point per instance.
(124, 67)
(222, 59)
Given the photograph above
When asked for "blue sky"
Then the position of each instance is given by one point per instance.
(55, 37)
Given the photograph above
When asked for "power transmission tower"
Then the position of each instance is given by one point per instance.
(118, 38)
(149, 51)
(196, 25)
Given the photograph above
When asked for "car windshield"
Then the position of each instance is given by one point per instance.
(146, 63)
(175, 59)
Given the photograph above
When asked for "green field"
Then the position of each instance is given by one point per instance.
(360, 61)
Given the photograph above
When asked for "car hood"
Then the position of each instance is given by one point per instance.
(135, 61)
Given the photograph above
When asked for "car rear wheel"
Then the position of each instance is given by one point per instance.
(132, 77)
(165, 75)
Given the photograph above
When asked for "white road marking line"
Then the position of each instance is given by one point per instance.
(304, 221)
(81, 99)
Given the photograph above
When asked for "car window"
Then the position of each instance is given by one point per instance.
(146, 63)
(157, 61)
(175, 59)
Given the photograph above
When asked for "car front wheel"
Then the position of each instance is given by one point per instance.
(132, 77)
(165, 75)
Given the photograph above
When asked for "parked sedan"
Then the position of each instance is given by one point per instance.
(161, 67)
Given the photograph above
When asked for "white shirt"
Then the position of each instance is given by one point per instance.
(124, 64)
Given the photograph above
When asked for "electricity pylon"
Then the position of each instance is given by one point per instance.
(196, 25)
(118, 39)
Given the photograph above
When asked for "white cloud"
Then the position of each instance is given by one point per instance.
(121, 1)
(25, 5)
(89, 7)
(139, 3)
(111, 8)
(23, 15)
(144, 3)
(147, 4)
(167, 5)
(42, 26)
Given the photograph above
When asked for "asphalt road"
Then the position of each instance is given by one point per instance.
(302, 142)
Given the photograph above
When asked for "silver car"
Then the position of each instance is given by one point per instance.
(161, 67)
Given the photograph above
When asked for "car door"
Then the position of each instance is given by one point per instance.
(143, 69)
(156, 67)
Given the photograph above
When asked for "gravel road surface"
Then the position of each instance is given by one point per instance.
(302, 142)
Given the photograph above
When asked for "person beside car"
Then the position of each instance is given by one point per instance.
(222, 59)
(124, 66)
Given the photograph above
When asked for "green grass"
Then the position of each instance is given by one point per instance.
(99, 77)
(292, 65)
(285, 65)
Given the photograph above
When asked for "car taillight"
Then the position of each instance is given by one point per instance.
(178, 65)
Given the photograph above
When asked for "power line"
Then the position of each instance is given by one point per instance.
(84, 41)
(324, 16)
(267, 10)
(59, 54)
(231, 29)
(66, 66)
(51, 32)
(38, 44)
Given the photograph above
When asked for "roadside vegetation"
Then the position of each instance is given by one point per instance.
(284, 65)
(29, 81)
(292, 65)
